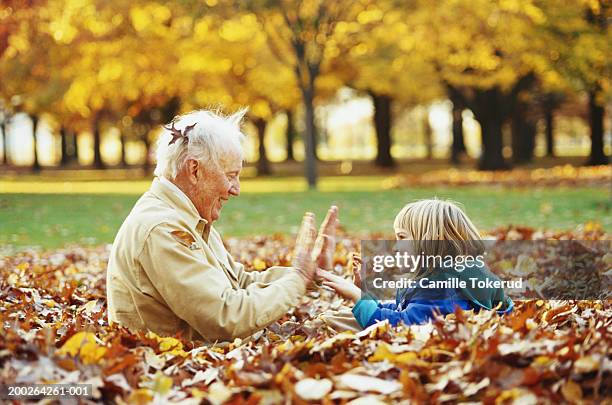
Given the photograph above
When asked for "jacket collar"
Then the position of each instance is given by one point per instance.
(171, 194)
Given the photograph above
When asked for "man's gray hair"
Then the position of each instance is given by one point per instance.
(213, 140)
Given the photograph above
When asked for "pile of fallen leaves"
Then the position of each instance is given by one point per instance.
(54, 330)
(566, 175)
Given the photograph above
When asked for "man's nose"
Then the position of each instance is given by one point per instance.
(235, 188)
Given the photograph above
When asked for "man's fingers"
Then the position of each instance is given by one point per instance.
(326, 239)
(304, 243)
(307, 233)
(319, 247)
(328, 226)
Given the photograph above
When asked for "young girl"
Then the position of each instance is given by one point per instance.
(434, 227)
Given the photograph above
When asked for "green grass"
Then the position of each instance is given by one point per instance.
(138, 186)
(54, 220)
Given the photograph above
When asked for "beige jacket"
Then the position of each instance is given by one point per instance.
(169, 271)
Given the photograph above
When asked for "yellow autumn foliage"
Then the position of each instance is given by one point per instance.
(85, 346)
(168, 345)
(383, 352)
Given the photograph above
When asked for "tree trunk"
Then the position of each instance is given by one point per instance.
(5, 153)
(321, 136)
(492, 157)
(522, 149)
(382, 123)
(263, 164)
(290, 133)
(523, 133)
(36, 164)
(170, 109)
(147, 163)
(74, 140)
(489, 111)
(596, 118)
(458, 148)
(97, 163)
(122, 139)
(549, 118)
(428, 135)
(550, 103)
(530, 136)
(310, 136)
(65, 159)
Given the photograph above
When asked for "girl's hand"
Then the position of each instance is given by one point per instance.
(355, 266)
(343, 287)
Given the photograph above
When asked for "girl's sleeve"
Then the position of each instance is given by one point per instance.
(415, 313)
(387, 305)
(367, 306)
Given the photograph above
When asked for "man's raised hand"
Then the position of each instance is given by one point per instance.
(302, 254)
(325, 244)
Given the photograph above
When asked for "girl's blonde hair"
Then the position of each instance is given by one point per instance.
(439, 227)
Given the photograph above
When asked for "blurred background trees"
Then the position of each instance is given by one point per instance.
(500, 82)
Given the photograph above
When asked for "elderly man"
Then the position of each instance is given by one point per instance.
(169, 271)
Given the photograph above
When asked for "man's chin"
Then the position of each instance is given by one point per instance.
(215, 215)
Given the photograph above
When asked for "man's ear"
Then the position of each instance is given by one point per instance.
(193, 169)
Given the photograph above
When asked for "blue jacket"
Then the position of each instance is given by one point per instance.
(418, 305)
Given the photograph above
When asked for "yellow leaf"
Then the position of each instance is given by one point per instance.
(84, 345)
(88, 307)
(141, 396)
(169, 345)
(592, 226)
(162, 384)
(198, 394)
(516, 396)
(563, 351)
(542, 361)
(140, 18)
(384, 353)
(285, 372)
(13, 279)
(571, 391)
(531, 324)
(259, 264)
